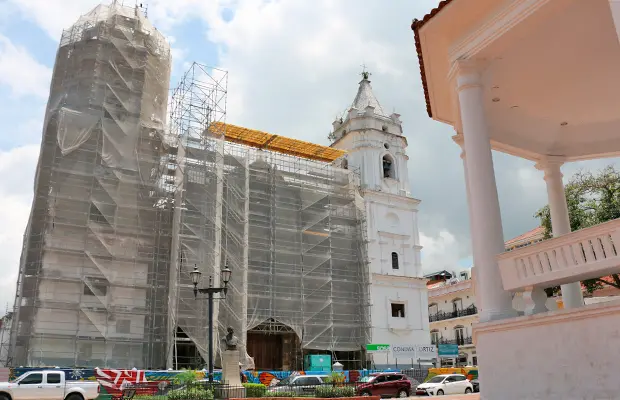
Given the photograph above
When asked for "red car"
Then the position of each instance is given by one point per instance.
(386, 384)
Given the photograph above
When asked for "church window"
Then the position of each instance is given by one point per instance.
(459, 335)
(435, 337)
(345, 164)
(388, 167)
(394, 260)
(398, 310)
(387, 146)
(384, 128)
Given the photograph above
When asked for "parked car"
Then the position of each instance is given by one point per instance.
(48, 385)
(299, 384)
(445, 384)
(385, 385)
(476, 385)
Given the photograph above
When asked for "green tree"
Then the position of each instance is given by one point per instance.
(592, 199)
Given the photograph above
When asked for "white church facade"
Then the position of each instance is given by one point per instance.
(375, 145)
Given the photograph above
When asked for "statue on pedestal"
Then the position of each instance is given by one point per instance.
(231, 368)
(231, 340)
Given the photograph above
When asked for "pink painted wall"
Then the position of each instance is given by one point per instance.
(564, 354)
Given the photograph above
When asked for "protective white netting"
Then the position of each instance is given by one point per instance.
(92, 288)
(290, 229)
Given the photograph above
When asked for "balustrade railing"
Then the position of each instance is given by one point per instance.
(585, 254)
(443, 315)
(462, 341)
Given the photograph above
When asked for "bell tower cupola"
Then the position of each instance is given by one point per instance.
(374, 142)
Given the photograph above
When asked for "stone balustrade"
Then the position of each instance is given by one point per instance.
(585, 254)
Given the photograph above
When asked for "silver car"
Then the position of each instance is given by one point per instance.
(299, 384)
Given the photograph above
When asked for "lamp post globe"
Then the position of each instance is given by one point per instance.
(226, 273)
(195, 274)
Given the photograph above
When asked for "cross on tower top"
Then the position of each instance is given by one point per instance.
(365, 74)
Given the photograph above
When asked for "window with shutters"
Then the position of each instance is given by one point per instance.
(394, 260)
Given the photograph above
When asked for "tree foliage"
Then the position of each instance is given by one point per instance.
(592, 199)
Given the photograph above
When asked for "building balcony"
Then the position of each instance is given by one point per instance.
(464, 341)
(445, 288)
(585, 254)
(442, 315)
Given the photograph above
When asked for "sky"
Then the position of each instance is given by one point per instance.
(293, 66)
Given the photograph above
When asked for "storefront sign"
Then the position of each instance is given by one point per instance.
(377, 348)
(448, 350)
(414, 351)
(426, 352)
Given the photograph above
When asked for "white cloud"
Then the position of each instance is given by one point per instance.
(21, 72)
(55, 15)
(17, 169)
(442, 252)
(305, 57)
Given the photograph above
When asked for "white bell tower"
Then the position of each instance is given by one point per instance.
(375, 145)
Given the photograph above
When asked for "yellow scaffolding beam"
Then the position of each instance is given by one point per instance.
(277, 143)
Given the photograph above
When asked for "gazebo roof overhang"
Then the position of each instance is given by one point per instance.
(550, 70)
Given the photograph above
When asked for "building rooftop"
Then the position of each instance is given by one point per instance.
(365, 97)
(447, 287)
(276, 143)
(527, 238)
(415, 26)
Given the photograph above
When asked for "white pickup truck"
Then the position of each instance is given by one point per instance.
(48, 385)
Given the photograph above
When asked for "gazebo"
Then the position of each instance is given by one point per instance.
(537, 79)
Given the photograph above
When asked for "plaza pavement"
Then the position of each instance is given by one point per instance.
(474, 396)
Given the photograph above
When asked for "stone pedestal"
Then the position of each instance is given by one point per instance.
(230, 368)
(231, 387)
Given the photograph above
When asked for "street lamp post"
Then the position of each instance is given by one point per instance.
(211, 292)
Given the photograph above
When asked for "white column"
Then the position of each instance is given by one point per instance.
(459, 140)
(485, 217)
(560, 222)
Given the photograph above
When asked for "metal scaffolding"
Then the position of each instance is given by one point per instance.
(292, 230)
(5, 336)
(199, 236)
(127, 201)
(92, 288)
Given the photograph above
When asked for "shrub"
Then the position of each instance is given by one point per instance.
(330, 392)
(335, 377)
(185, 377)
(283, 394)
(255, 389)
(190, 394)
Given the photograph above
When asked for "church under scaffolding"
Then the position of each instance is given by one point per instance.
(130, 195)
